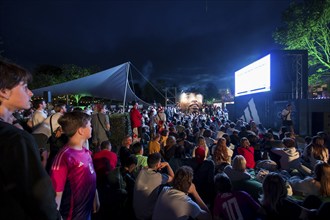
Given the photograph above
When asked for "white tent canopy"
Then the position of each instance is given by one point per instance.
(109, 84)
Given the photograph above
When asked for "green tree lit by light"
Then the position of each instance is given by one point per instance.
(77, 98)
(306, 27)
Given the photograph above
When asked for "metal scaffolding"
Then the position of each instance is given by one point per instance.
(170, 96)
(297, 70)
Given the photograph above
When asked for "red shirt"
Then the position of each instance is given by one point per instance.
(248, 154)
(136, 117)
(100, 160)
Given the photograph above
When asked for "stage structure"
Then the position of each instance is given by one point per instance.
(264, 87)
(170, 96)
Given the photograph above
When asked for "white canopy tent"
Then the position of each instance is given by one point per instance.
(109, 84)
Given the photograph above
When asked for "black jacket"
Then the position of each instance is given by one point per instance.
(26, 190)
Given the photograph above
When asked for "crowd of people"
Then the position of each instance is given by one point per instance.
(59, 163)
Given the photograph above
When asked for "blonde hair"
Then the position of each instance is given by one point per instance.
(239, 163)
(243, 140)
(201, 142)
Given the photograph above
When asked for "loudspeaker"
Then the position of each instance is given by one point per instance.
(47, 96)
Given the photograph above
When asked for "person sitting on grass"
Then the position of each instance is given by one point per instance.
(174, 202)
(245, 206)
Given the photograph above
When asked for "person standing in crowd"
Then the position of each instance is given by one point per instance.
(136, 121)
(57, 138)
(44, 131)
(72, 173)
(39, 115)
(101, 126)
(160, 118)
(286, 118)
(25, 187)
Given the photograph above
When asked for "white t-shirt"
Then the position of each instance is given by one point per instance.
(307, 186)
(286, 114)
(146, 192)
(175, 204)
(38, 117)
(44, 128)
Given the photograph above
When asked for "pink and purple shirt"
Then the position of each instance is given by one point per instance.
(235, 205)
(73, 174)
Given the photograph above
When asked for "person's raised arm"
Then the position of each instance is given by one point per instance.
(205, 214)
(170, 172)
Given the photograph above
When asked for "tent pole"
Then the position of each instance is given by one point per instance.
(127, 72)
(67, 99)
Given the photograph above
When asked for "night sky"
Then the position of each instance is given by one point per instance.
(180, 41)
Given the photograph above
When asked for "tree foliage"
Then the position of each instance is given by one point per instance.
(45, 75)
(306, 27)
(210, 91)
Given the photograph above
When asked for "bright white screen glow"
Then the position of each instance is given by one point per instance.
(253, 78)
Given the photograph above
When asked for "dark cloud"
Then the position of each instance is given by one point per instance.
(182, 42)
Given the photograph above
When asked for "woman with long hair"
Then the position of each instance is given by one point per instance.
(315, 151)
(318, 185)
(222, 154)
(201, 143)
(276, 202)
(319, 153)
(322, 173)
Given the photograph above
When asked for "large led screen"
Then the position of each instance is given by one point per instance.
(253, 78)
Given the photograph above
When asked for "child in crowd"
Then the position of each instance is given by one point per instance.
(245, 206)
(72, 173)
